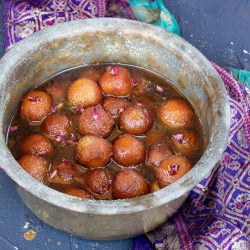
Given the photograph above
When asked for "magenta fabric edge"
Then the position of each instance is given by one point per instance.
(101, 5)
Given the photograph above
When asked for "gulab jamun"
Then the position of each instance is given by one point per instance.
(154, 187)
(135, 120)
(84, 93)
(62, 173)
(186, 143)
(176, 114)
(36, 166)
(128, 151)
(93, 74)
(172, 169)
(93, 151)
(58, 91)
(155, 136)
(115, 106)
(96, 121)
(116, 81)
(36, 144)
(35, 106)
(98, 181)
(56, 125)
(142, 85)
(78, 192)
(156, 154)
(129, 184)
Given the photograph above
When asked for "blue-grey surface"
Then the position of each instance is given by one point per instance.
(16, 220)
(219, 29)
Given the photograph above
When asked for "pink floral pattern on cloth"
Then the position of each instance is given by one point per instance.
(24, 17)
(216, 215)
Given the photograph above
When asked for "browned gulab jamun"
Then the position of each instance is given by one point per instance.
(116, 81)
(114, 105)
(136, 120)
(93, 74)
(142, 85)
(62, 173)
(129, 184)
(78, 192)
(36, 144)
(36, 166)
(35, 106)
(96, 121)
(128, 151)
(155, 136)
(58, 91)
(154, 187)
(84, 93)
(93, 151)
(98, 181)
(176, 114)
(172, 169)
(186, 143)
(156, 154)
(56, 125)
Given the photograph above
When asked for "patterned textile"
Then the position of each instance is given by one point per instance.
(24, 17)
(155, 12)
(217, 213)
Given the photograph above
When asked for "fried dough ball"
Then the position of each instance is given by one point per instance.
(176, 114)
(116, 81)
(96, 121)
(36, 144)
(142, 85)
(172, 169)
(135, 120)
(63, 173)
(93, 151)
(79, 192)
(98, 181)
(129, 184)
(35, 106)
(35, 166)
(84, 93)
(186, 143)
(115, 106)
(57, 90)
(128, 151)
(154, 187)
(156, 154)
(93, 74)
(56, 125)
(155, 136)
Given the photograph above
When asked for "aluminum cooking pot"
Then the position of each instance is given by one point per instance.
(85, 42)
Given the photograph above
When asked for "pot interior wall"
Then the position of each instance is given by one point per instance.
(170, 60)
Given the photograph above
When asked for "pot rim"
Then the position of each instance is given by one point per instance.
(108, 207)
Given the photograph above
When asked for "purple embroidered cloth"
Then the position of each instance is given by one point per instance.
(217, 213)
(24, 17)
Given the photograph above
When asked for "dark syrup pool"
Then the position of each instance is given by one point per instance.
(158, 89)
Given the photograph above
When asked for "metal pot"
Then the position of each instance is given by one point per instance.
(112, 40)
